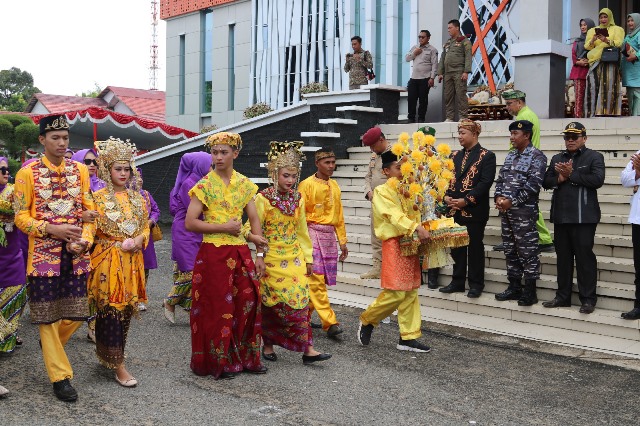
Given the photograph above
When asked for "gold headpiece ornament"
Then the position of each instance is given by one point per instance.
(283, 155)
(116, 150)
(321, 155)
(224, 138)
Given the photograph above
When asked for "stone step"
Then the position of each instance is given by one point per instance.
(332, 135)
(603, 321)
(513, 328)
(357, 108)
(337, 121)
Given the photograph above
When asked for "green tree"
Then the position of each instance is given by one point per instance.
(16, 88)
(92, 93)
(18, 133)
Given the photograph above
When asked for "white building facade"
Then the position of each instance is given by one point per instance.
(225, 55)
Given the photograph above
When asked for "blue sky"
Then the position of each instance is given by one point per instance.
(69, 45)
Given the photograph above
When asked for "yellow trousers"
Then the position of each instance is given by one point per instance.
(408, 306)
(53, 337)
(319, 300)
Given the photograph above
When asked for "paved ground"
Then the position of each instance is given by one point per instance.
(468, 377)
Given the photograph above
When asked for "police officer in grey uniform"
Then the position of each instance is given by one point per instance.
(516, 198)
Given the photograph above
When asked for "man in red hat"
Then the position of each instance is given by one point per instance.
(375, 140)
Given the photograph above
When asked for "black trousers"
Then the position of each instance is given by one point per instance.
(635, 238)
(418, 90)
(471, 256)
(575, 241)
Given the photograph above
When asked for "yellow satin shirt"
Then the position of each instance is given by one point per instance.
(224, 202)
(323, 205)
(393, 215)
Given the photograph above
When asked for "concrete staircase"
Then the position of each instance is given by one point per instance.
(603, 330)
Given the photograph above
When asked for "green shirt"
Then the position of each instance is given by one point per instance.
(527, 114)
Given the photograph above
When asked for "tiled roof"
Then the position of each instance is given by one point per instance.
(61, 103)
(148, 104)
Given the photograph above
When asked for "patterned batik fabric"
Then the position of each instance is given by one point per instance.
(12, 302)
(180, 293)
(290, 249)
(224, 202)
(286, 327)
(398, 272)
(225, 311)
(325, 251)
(112, 327)
(59, 297)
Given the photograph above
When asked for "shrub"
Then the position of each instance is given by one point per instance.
(14, 166)
(256, 110)
(26, 134)
(313, 87)
(210, 128)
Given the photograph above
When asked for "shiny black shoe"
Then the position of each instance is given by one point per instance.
(270, 357)
(474, 293)
(527, 300)
(364, 333)
(315, 325)
(451, 288)
(499, 247)
(556, 303)
(546, 248)
(262, 370)
(334, 330)
(227, 375)
(310, 359)
(64, 391)
(509, 294)
(633, 314)
(587, 308)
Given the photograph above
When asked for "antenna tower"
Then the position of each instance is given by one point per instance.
(153, 65)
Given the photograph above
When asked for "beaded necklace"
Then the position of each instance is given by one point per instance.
(287, 203)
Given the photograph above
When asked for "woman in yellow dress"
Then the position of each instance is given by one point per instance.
(603, 94)
(284, 288)
(117, 282)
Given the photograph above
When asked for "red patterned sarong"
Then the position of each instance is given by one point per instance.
(325, 251)
(286, 327)
(225, 311)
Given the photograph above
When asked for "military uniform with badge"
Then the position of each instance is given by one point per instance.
(454, 62)
(516, 196)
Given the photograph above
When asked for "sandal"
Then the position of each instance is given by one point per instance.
(169, 315)
(129, 383)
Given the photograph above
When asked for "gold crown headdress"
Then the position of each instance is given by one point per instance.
(283, 155)
(116, 150)
(224, 138)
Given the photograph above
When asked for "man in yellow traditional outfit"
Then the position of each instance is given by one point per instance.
(51, 195)
(325, 219)
(394, 218)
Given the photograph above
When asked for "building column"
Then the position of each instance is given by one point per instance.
(540, 57)
(393, 34)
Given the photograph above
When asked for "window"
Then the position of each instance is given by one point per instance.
(207, 63)
(181, 77)
(232, 66)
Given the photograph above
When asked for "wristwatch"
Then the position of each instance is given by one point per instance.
(259, 254)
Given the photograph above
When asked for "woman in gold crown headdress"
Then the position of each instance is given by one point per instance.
(117, 282)
(289, 259)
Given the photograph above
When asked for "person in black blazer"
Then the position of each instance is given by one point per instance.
(467, 200)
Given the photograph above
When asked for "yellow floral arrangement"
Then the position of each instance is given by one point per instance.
(427, 171)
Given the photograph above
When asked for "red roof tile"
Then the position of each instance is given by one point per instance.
(61, 103)
(148, 104)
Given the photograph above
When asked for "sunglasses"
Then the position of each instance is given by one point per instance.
(89, 162)
(571, 137)
(4, 170)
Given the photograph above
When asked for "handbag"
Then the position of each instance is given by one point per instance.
(156, 233)
(610, 54)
